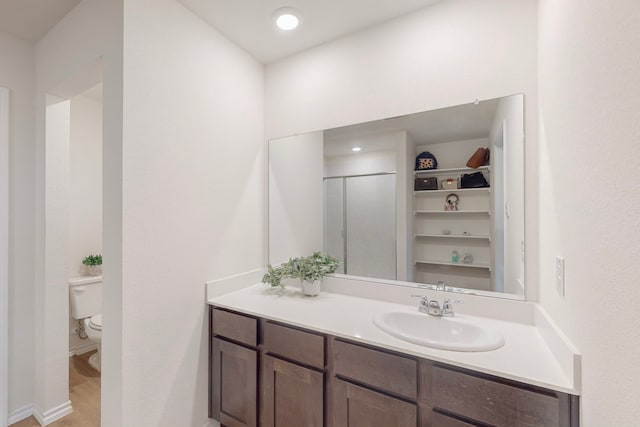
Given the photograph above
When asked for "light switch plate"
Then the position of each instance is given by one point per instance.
(560, 275)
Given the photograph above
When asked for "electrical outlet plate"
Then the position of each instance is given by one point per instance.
(560, 275)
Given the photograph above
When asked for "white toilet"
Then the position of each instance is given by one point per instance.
(86, 305)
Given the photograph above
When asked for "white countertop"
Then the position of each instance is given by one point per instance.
(525, 357)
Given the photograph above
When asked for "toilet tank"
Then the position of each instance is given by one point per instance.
(85, 294)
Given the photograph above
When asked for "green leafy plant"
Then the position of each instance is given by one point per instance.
(93, 260)
(311, 268)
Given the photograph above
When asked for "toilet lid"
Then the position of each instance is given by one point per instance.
(96, 322)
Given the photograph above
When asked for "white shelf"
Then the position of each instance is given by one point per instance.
(451, 171)
(451, 212)
(456, 190)
(453, 236)
(454, 264)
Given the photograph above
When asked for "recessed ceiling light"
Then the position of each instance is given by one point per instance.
(356, 149)
(287, 18)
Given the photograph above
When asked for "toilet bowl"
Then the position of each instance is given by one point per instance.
(85, 295)
(93, 329)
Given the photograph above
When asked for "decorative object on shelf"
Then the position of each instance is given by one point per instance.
(310, 270)
(451, 202)
(473, 180)
(446, 231)
(92, 265)
(468, 258)
(426, 161)
(454, 256)
(449, 184)
(479, 158)
(430, 183)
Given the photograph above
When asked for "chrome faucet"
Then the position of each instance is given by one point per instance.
(432, 307)
(447, 307)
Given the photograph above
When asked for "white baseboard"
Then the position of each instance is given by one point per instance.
(53, 414)
(83, 349)
(212, 423)
(20, 414)
(218, 287)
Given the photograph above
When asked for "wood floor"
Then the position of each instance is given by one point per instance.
(84, 393)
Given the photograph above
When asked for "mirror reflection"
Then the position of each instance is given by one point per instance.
(434, 199)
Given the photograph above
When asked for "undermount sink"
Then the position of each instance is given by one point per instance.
(446, 333)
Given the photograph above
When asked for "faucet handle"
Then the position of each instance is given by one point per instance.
(447, 306)
(424, 302)
(423, 299)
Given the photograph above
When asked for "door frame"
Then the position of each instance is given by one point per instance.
(4, 256)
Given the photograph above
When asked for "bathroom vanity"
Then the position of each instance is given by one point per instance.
(279, 359)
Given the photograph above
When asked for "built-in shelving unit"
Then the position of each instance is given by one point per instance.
(440, 235)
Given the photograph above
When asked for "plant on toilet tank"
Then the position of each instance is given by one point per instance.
(310, 270)
(92, 265)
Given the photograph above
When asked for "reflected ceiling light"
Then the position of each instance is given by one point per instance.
(356, 149)
(287, 18)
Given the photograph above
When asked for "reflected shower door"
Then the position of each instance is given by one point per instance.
(334, 219)
(371, 226)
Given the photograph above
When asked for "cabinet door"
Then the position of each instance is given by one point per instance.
(356, 406)
(292, 396)
(234, 384)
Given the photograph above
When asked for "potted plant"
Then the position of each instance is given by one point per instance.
(93, 265)
(310, 270)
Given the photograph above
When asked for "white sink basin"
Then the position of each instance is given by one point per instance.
(446, 333)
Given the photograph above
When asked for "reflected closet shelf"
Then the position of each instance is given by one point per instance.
(452, 212)
(453, 236)
(455, 190)
(453, 264)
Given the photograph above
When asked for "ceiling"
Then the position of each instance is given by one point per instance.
(246, 22)
(463, 122)
(249, 22)
(31, 19)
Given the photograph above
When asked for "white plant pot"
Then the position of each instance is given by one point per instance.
(93, 270)
(311, 289)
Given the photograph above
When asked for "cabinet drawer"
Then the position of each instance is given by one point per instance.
(300, 346)
(442, 420)
(234, 326)
(356, 406)
(378, 369)
(492, 402)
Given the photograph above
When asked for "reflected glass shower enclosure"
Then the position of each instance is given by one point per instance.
(360, 223)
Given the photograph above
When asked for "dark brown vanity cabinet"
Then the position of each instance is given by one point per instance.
(233, 367)
(268, 374)
(292, 376)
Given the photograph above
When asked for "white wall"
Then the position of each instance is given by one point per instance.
(85, 194)
(91, 31)
(295, 196)
(52, 371)
(589, 204)
(85, 188)
(447, 54)
(193, 201)
(361, 163)
(17, 73)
